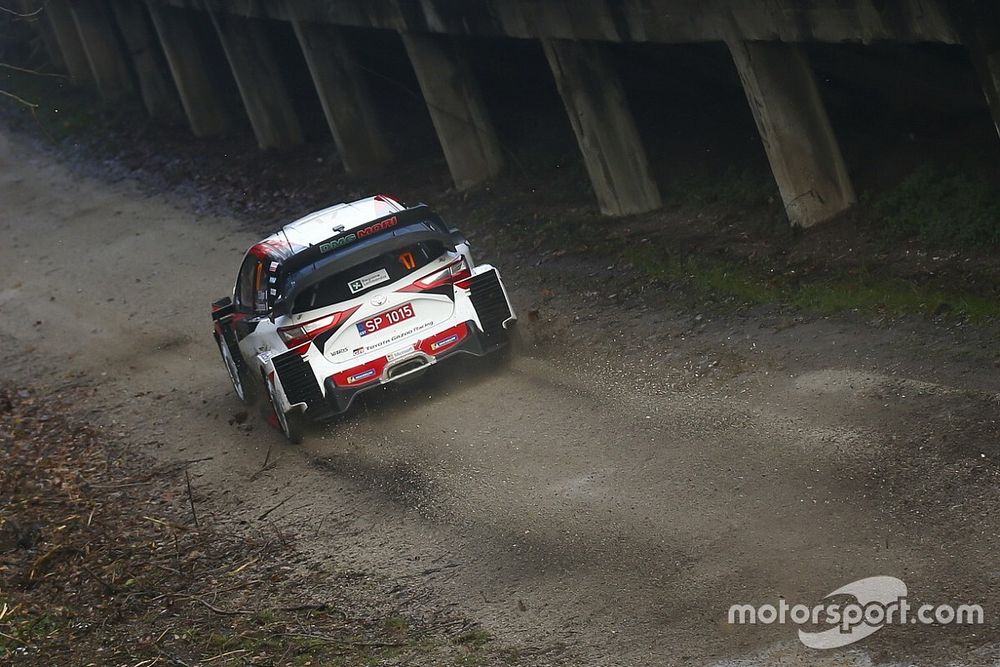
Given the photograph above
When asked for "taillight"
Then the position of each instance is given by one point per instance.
(457, 270)
(306, 331)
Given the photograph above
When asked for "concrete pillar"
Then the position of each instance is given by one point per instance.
(988, 68)
(155, 84)
(203, 104)
(456, 107)
(345, 97)
(37, 17)
(258, 77)
(978, 25)
(791, 118)
(64, 28)
(605, 130)
(104, 52)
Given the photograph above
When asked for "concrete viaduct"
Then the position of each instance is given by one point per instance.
(152, 49)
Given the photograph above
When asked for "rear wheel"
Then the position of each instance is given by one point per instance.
(513, 346)
(291, 423)
(242, 382)
(515, 339)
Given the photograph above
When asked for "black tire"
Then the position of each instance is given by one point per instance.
(516, 343)
(243, 383)
(513, 346)
(292, 423)
(296, 426)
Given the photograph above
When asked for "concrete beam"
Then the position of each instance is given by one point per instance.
(258, 77)
(345, 97)
(188, 62)
(613, 153)
(104, 51)
(155, 84)
(665, 21)
(68, 37)
(791, 118)
(457, 109)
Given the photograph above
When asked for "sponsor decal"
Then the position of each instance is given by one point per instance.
(340, 351)
(364, 282)
(392, 356)
(347, 239)
(447, 341)
(361, 376)
(359, 350)
(377, 227)
(339, 242)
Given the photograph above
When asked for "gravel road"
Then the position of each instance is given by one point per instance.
(615, 489)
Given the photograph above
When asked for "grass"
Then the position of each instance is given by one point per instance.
(741, 187)
(830, 293)
(946, 207)
(474, 638)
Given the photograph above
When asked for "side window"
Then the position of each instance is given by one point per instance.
(260, 289)
(246, 284)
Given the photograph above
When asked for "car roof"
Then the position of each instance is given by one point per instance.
(321, 225)
(318, 226)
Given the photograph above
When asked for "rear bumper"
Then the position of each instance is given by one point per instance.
(338, 399)
(479, 327)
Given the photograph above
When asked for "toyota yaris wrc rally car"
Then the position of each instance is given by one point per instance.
(350, 298)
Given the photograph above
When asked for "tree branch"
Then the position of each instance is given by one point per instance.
(19, 99)
(32, 71)
(19, 14)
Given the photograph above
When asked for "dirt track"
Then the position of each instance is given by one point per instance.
(616, 498)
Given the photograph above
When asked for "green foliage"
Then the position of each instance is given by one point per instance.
(957, 208)
(733, 186)
(746, 283)
(61, 110)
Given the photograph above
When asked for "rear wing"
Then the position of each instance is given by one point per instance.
(319, 261)
(377, 227)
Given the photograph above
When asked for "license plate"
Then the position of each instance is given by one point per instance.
(385, 319)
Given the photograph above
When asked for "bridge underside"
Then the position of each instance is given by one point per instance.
(165, 52)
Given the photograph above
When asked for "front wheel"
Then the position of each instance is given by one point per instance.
(242, 382)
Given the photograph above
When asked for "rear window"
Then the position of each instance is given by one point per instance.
(367, 276)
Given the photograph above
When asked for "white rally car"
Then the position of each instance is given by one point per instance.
(350, 298)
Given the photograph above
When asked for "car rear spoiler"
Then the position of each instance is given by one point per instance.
(377, 227)
(411, 226)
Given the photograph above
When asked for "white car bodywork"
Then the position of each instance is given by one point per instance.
(392, 329)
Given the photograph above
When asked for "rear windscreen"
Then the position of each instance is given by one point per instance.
(367, 276)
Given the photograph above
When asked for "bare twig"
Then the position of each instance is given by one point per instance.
(187, 478)
(265, 514)
(268, 464)
(217, 610)
(108, 587)
(227, 653)
(19, 14)
(344, 642)
(32, 71)
(18, 99)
